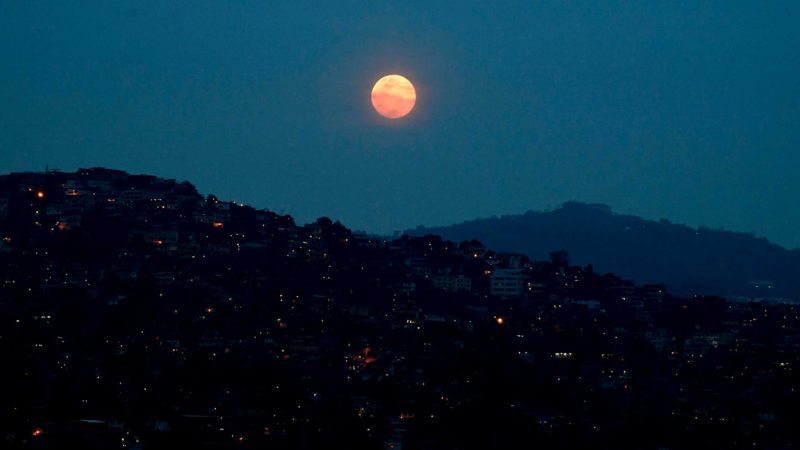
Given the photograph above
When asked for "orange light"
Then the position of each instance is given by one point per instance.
(218, 224)
(158, 242)
(500, 320)
(37, 432)
(366, 357)
(40, 194)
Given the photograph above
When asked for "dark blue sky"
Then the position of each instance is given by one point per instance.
(687, 110)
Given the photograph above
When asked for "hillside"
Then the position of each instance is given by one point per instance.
(137, 313)
(686, 259)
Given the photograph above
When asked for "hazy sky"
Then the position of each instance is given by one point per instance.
(686, 110)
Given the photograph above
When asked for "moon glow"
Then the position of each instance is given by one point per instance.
(393, 96)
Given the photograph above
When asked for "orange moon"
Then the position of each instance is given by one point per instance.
(393, 96)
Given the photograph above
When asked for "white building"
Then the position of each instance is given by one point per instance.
(452, 283)
(509, 282)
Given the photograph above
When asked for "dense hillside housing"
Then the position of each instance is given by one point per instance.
(136, 313)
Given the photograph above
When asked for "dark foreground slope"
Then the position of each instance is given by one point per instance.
(135, 313)
(687, 260)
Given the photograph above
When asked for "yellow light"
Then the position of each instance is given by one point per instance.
(500, 320)
(40, 194)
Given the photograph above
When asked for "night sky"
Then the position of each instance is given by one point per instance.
(686, 110)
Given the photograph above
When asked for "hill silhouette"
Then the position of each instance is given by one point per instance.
(688, 260)
(133, 309)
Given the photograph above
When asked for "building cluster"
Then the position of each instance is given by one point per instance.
(136, 313)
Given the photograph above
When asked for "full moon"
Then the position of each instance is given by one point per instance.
(393, 96)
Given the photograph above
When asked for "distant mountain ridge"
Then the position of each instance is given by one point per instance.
(688, 260)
